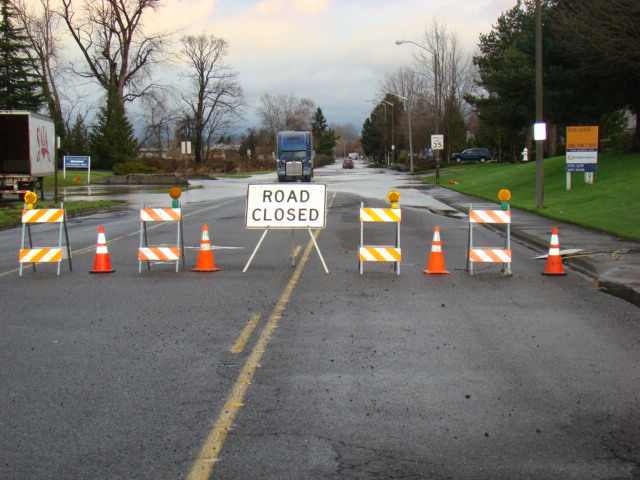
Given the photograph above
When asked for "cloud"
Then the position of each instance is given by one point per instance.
(334, 52)
(271, 7)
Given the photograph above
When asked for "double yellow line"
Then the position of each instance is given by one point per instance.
(208, 455)
(209, 452)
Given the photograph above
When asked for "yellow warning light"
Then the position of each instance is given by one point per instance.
(394, 198)
(30, 198)
(504, 195)
(175, 192)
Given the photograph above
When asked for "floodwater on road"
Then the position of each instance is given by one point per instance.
(358, 181)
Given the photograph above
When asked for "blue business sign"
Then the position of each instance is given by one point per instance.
(77, 161)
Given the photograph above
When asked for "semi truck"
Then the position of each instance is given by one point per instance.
(295, 156)
(27, 151)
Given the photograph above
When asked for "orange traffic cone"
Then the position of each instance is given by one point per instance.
(101, 264)
(205, 256)
(436, 259)
(554, 259)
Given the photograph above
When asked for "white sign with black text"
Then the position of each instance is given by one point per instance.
(284, 205)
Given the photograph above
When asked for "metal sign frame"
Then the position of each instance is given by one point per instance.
(380, 253)
(490, 254)
(35, 255)
(281, 206)
(160, 253)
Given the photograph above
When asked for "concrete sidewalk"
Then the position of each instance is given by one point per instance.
(613, 262)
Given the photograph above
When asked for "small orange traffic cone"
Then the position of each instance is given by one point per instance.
(205, 256)
(101, 263)
(436, 259)
(554, 259)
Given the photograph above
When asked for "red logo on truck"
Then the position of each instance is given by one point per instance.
(43, 145)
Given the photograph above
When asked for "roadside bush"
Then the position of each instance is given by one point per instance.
(620, 143)
(322, 160)
(133, 167)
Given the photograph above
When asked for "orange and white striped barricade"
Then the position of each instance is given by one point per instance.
(490, 254)
(380, 253)
(35, 255)
(160, 253)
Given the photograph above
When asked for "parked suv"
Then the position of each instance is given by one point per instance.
(472, 155)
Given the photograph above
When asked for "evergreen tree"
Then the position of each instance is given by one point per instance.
(112, 139)
(20, 87)
(372, 136)
(77, 140)
(324, 138)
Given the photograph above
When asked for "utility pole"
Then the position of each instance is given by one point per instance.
(539, 115)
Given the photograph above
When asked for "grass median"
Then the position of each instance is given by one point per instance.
(609, 205)
(11, 207)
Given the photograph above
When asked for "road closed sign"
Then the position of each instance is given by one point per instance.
(286, 206)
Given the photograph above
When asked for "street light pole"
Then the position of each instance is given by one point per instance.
(409, 120)
(436, 87)
(539, 114)
(393, 144)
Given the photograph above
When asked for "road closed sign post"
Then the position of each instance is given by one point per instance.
(281, 206)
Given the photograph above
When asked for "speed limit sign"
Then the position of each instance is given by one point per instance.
(437, 142)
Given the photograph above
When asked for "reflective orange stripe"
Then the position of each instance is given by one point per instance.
(380, 215)
(160, 214)
(490, 216)
(35, 255)
(159, 253)
(43, 215)
(490, 255)
(380, 254)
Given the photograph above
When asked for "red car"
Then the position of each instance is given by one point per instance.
(347, 163)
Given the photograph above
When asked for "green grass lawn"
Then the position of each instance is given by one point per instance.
(11, 210)
(611, 204)
(72, 178)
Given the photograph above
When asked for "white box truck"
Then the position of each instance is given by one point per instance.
(27, 151)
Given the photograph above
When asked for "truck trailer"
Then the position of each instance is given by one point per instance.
(27, 151)
(295, 156)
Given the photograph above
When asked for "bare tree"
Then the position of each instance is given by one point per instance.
(215, 99)
(110, 36)
(607, 27)
(285, 112)
(407, 83)
(447, 71)
(41, 30)
(159, 118)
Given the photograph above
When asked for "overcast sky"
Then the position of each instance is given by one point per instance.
(334, 52)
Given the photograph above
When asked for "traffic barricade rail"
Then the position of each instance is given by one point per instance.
(380, 253)
(35, 255)
(490, 254)
(160, 253)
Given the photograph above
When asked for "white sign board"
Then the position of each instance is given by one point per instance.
(284, 205)
(437, 142)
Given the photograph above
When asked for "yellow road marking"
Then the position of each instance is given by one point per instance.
(212, 447)
(246, 333)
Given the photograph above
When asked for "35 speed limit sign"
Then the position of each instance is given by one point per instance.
(437, 142)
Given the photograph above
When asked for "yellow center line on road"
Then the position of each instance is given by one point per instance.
(208, 455)
(92, 248)
(242, 340)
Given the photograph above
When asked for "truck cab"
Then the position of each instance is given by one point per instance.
(295, 156)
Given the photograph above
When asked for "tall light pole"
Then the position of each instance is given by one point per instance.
(409, 120)
(539, 115)
(393, 144)
(436, 88)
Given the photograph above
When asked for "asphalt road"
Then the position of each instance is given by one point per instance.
(288, 372)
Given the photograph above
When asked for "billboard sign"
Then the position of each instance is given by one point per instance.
(582, 149)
